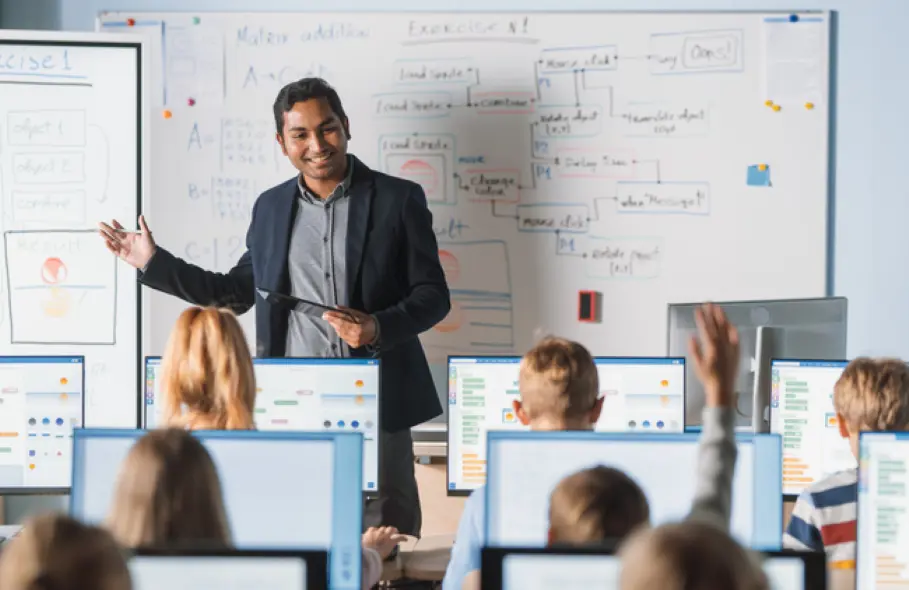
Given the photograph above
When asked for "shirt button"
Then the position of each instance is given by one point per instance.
(327, 206)
(334, 347)
(325, 239)
(327, 275)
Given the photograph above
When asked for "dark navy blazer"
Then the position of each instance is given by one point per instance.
(393, 272)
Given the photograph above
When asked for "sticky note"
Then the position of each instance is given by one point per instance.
(758, 175)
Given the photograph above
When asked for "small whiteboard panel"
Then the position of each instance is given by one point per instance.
(71, 155)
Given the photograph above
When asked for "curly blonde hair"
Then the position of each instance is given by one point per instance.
(873, 394)
(207, 368)
(558, 379)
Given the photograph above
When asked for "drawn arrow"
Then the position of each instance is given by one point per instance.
(596, 207)
(494, 214)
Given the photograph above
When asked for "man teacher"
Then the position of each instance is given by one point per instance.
(343, 235)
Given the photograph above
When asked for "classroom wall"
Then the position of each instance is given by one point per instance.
(869, 246)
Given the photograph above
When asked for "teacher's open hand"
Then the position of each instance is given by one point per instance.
(134, 247)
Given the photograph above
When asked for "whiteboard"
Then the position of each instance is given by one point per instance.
(70, 156)
(630, 154)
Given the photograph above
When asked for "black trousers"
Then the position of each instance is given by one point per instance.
(398, 502)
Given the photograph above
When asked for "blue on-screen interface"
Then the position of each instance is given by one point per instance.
(524, 468)
(325, 394)
(882, 542)
(41, 401)
(639, 394)
(282, 490)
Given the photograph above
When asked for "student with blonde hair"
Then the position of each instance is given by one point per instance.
(871, 394)
(559, 389)
(690, 555)
(207, 375)
(208, 371)
(55, 552)
(168, 493)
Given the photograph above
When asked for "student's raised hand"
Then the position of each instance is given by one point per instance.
(715, 351)
(135, 248)
(382, 539)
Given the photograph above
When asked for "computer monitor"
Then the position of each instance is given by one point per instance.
(882, 547)
(42, 398)
(192, 569)
(312, 394)
(785, 328)
(282, 490)
(641, 394)
(581, 568)
(801, 411)
(524, 468)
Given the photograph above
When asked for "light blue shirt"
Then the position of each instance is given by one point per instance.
(465, 555)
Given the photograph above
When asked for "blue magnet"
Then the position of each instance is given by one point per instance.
(793, 18)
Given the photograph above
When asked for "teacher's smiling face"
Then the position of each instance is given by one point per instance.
(314, 139)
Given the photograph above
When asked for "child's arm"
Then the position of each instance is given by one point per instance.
(716, 358)
(803, 531)
(468, 543)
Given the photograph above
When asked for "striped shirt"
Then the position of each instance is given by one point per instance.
(823, 519)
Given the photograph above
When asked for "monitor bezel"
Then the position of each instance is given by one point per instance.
(493, 558)
(44, 490)
(774, 360)
(368, 494)
(463, 492)
(316, 560)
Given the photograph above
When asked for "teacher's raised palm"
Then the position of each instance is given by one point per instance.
(135, 248)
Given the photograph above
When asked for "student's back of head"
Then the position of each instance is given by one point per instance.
(872, 394)
(55, 552)
(688, 556)
(168, 493)
(559, 387)
(208, 370)
(596, 505)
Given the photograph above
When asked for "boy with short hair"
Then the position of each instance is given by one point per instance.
(559, 389)
(871, 394)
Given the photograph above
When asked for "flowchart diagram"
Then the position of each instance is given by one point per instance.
(637, 155)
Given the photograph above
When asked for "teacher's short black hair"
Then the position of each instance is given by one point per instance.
(303, 90)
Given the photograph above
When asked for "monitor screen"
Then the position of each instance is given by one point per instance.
(335, 395)
(801, 411)
(41, 401)
(238, 570)
(282, 490)
(639, 394)
(563, 571)
(883, 511)
(581, 568)
(526, 466)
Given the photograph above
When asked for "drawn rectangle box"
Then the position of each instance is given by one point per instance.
(62, 287)
(504, 102)
(414, 72)
(406, 105)
(621, 257)
(52, 207)
(429, 170)
(551, 127)
(663, 198)
(554, 60)
(553, 217)
(46, 128)
(477, 177)
(695, 52)
(49, 168)
(582, 162)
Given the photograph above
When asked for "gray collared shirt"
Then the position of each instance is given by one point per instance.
(318, 267)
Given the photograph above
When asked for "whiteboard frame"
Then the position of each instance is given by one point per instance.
(143, 145)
